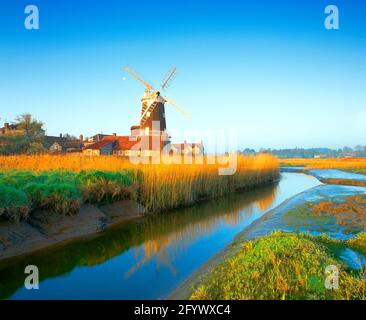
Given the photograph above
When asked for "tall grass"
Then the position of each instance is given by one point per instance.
(158, 187)
(164, 187)
(351, 164)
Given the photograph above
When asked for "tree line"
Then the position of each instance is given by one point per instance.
(25, 135)
(357, 151)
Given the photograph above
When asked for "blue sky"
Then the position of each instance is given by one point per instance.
(268, 69)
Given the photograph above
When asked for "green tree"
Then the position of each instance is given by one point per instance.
(29, 142)
(32, 127)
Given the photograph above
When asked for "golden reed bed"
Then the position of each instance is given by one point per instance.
(352, 164)
(161, 187)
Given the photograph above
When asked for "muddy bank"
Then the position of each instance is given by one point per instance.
(336, 174)
(45, 229)
(280, 219)
(340, 177)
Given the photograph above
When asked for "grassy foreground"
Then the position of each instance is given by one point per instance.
(350, 164)
(283, 266)
(60, 191)
(62, 183)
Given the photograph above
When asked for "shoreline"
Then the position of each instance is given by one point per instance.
(183, 291)
(351, 181)
(46, 230)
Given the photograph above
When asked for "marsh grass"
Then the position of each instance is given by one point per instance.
(346, 214)
(357, 165)
(163, 187)
(158, 187)
(349, 211)
(59, 191)
(280, 266)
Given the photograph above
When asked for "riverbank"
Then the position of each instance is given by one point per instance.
(331, 176)
(57, 206)
(147, 258)
(45, 229)
(64, 182)
(159, 248)
(290, 216)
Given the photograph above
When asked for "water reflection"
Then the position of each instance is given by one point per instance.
(180, 239)
(148, 258)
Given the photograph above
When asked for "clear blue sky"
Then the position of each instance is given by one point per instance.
(266, 68)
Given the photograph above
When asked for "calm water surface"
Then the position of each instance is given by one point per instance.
(149, 258)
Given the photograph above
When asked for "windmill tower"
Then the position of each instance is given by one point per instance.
(153, 108)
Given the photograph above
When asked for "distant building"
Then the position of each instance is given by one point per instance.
(61, 144)
(348, 155)
(132, 145)
(99, 137)
(104, 147)
(124, 145)
(10, 129)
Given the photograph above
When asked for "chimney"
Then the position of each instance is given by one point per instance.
(115, 134)
(60, 135)
(6, 125)
(81, 137)
(135, 132)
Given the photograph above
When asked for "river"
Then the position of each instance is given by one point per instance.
(150, 257)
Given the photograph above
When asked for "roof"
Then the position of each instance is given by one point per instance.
(100, 136)
(123, 142)
(50, 140)
(63, 142)
(100, 144)
(11, 126)
(73, 144)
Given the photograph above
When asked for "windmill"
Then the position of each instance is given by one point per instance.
(153, 104)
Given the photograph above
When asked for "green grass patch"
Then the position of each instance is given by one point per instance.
(280, 266)
(14, 204)
(60, 191)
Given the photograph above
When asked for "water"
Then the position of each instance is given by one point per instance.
(337, 174)
(352, 258)
(149, 258)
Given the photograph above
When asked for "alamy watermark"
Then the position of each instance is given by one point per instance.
(332, 277)
(31, 21)
(154, 147)
(31, 281)
(331, 21)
